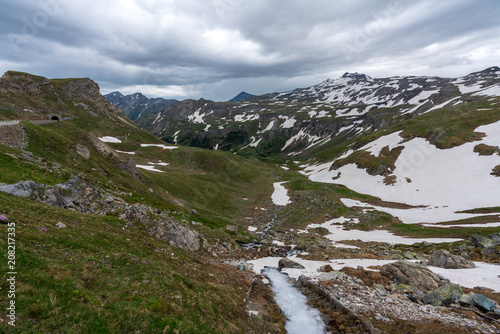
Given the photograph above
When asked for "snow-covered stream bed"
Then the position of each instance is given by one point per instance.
(301, 318)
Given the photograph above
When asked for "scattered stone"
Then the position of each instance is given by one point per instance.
(443, 259)
(463, 247)
(380, 289)
(483, 303)
(411, 274)
(444, 295)
(381, 318)
(287, 263)
(61, 225)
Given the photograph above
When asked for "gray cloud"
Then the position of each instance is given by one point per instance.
(216, 48)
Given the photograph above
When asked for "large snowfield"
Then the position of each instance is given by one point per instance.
(444, 181)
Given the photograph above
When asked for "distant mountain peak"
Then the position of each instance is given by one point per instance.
(356, 76)
(241, 96)
(115, 94)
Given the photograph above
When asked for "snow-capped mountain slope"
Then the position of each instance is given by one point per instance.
(312, 119)
(441, 182)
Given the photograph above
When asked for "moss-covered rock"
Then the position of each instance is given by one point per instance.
(444, 295)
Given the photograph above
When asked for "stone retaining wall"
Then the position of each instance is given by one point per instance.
(12, 134)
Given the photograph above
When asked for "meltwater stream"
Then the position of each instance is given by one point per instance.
(301, 318)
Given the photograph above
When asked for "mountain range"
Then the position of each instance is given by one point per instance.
(314, 119)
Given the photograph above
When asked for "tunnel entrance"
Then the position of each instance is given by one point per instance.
(54, 118)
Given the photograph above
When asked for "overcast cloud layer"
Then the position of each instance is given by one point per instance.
(217, 48)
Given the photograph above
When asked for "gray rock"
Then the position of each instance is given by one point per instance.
(483, 303)
(287, 263)
(488, 251)
(177, 235)
(130, 167)
(330, 276)
(83, 151)
(413, 274)
(444, 295)
(495, 237)
(443, 259)
(21, 189)
(466, 299)
(61, 225)
(463, 247)
(481, 241)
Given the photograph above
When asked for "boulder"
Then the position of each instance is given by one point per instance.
(330, 276)
(483, 303)
(130, 167)
(287, 263)
(61, 225)
(83, 151)
(443, 259)
(481, 241)
(466, 299)
(413, 274)
(326, 268)
(177, 235)
(444, 295)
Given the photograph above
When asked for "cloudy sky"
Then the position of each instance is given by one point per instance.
(217, 48)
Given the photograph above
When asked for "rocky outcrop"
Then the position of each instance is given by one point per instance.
(87, 90)
(413, 274)
(73, 194)
(444, 259)
(20, 83)
(78, 195)
(177, 235)
(481, 241)
(33, 97)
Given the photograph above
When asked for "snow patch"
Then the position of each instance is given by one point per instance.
(108, 139)
(165, 147)
(280, 194)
